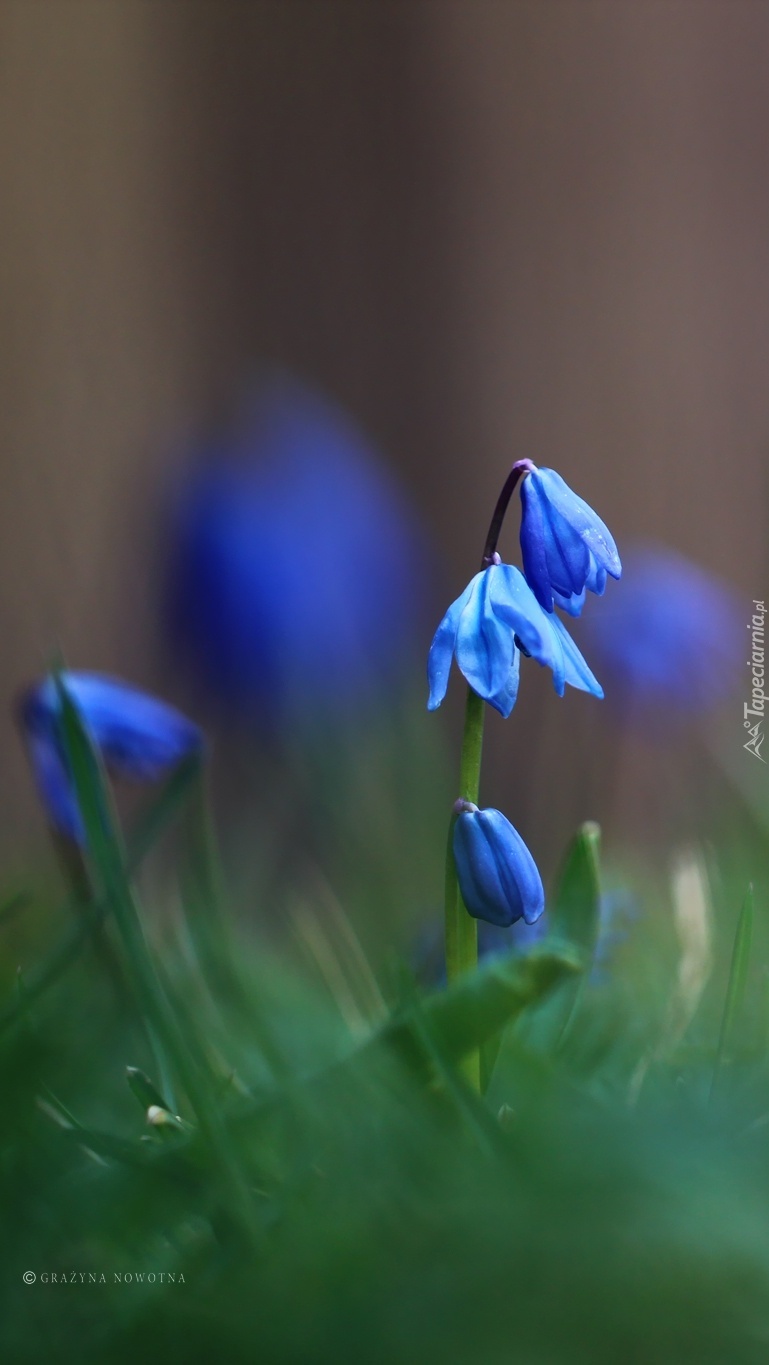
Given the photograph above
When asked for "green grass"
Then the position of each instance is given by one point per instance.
(318, 1178)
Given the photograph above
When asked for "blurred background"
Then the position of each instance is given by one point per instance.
(426, 239)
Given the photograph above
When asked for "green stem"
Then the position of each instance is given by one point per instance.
(461, 928)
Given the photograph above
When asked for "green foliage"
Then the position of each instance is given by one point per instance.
(574, 921)
(298, 1170)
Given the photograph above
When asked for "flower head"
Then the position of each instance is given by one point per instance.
(136, 735)
(566, 547)
(487, 627)
(498, 877)
(672, 638)
(295, 565)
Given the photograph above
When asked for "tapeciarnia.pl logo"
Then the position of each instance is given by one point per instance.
(753, 711)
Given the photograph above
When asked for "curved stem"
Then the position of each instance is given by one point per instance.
(517, 472)
(461, 928)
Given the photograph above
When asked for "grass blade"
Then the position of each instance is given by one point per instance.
(147, 830)
(146, 1093)
(575, 913)
(738, 977)
(574, 921)
(106, 857)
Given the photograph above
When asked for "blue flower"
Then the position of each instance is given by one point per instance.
(296, 565)
(137, 736)
(498, 877)
(617, 911)
(566, 547)
(673, 637)
(495, 618)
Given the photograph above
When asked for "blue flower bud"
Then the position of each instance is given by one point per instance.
(136, 735)
(566, 547)
(498, 877)
(495, 618)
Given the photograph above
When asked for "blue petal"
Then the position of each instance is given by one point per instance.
(442, 648)
(567, 555)
(136, 735)
(577, 673)
(484, 647)
(55, 789)
(581, 517)
(573, 604)
(516, 605)
(498, 877)
(533, 544)
(596, 579)
(504, 700)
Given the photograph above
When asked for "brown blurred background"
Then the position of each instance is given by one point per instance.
(489, 229)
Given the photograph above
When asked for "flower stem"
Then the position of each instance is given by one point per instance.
(519, 470)
(461, 928)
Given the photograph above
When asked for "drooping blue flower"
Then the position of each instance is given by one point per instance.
(497, 875)
(137, 736)
(295, 563)
(673, 638)
(487, 627)
(566, 547)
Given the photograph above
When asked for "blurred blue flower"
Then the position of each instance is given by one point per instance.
(566, 547)
(495, 940)
(487, 627)
(497, 875)
(673, 637)
(617, 911)
(296, 565)
(137, 736)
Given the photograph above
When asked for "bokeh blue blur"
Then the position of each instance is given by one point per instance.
(296, 564)
(670, 639)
